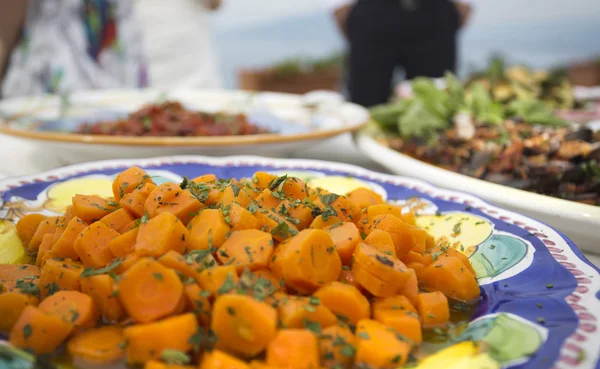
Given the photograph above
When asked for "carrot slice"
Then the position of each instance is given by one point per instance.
(13, 272)
(118, 220)
(60, 275)
(208, 230)
(219, 280)
(231, 196)
(44, 248)
(160, 234)
(433, 309)
(91, 208)
(241, 219)
(449, 276)
(48, 225)
(39, 332)
(382, 241)
(129, 180)
(247, 249)
(364, 197)
(280, 227)
(384, 209)
(148, 341)
(73, 307)
(443, 251)
(205, 178)
(219, 360)
(378, 346)
(295, 349)
(395, 303)
(27, 226)
(198, 302)
(100, 345)
(170, 198)
(342, 206)
(345, 301)
(345, 237)
(302, 214)
(293, 188)
(372, 265)
(149, 291)
(303, 312)
(124, 244)
(336, 344)
(321, 223)
(263, 180)
(12, 305)
(92, 245)
(243, 325)
(135, 201)
(64, 245)
(405, 323)
(102, 289)
(158, 365)
(267, 200)
(307, 261)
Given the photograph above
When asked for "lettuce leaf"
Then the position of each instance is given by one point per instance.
(419, 121)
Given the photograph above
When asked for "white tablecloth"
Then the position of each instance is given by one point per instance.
(22, 158)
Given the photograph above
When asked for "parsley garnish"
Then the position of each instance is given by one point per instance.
(175, 357)
(329, 198)
(89, 271)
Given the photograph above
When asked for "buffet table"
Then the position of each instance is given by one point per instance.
(23, 158)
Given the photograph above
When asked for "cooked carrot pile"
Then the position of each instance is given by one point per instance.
(258, 273)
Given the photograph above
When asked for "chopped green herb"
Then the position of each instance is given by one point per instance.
(329, 198)
(27, 331)
(89, 271)
(175, 357)
(158, 276)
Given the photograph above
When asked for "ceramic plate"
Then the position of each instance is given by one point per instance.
(579, 221)
(296, 121)
(540, 296)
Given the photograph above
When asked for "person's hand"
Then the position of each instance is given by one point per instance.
(212, 4)
(341, 17)
(464, 12)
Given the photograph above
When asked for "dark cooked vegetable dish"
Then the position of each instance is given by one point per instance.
(172, 119)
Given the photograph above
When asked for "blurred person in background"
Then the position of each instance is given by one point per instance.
(60, 46)
(418, 35)
(178, 43)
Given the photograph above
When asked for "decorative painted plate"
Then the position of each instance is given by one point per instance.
(540, 296)
(295, 121)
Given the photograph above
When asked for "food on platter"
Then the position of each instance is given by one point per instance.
(173, 119)
(520, 143)
(224, 273)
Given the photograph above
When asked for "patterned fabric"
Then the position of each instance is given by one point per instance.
(70, 45)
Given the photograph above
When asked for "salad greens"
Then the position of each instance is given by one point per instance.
(431, 110)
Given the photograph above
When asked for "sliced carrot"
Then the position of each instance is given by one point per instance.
(345, 237)
(384, 209)
(99, 345)
(91, 208)
(39, 332)
(307, 261)
(415, 257)
(170, 198)
(148, 341)
(347, 277)
(380, 274)
(158, 365)
(60, 275)
(64, 245)
(219, 280)
(186, 265)
(92, 245)
(198, 302)
(149, 291)
(129, 180)
(12, 305)
(345, 301)
(68, 213)
(411, 288)
(449, 276)
(124, 244)
(443, 251)
(344, 208)
(49, 225)
(219, 360)
(27, 226)
(241, 219)
(118, 220)
(127, 262)
(72, 306)
(280, 227)
(14, 272)
(160, 234)
(302, 214)
(243, 325)
(208, 230)
(235, 195)
(247, 249)
(205, 178)
(433, 309)
(302, 312)
(263, 180)
(405, 323)
(294, 349)
(102, 289)
(135, 201)
(44, 247)
(293, 188)
(378, 346)
(321, 223)
(267, 200)
(395, 303)
(336, 344)
(382, 241)
(364, 197)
